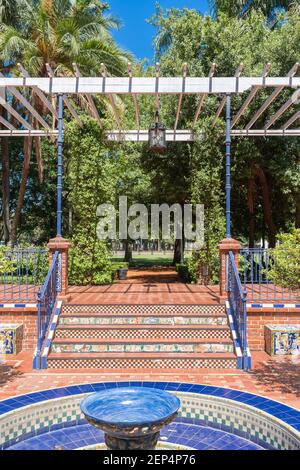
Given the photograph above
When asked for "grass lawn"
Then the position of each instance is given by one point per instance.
(148, 260)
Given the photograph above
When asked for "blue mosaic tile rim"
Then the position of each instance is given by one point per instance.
(28, 305)
(288, 415)
(272, 305)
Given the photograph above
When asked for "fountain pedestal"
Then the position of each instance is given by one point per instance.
(131, 418)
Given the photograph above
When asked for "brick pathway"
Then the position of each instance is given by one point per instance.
(144, 293)
(276, 378)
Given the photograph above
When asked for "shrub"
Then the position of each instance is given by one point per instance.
(285, 270)
(89, 262)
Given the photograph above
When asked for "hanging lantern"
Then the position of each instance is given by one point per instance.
(157, 136)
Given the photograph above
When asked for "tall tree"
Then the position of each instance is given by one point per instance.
(8, 15)
(59, 33)
(241, 8)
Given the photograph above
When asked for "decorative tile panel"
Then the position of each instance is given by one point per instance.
(146, 363)
(141, 348)
(282, 340)
(11, 337)
(161, 309)
(142, 333)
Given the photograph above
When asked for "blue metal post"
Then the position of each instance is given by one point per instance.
(59, 165)
(228, 167)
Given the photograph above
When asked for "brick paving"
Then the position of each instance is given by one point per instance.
(276, 378)
(148, 293)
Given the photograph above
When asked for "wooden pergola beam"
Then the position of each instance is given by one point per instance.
(27, 105)
(184, 75)
(204, 95)
(93, 110)
(15, 114)
(65, 98)
(36, 90)
(7, 124)
(135, 99)
(272, 97)
(291, 121)
(103, 72)
(250, 97)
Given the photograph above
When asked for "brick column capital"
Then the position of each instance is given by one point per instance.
(225, 246)
(229, 244)
(62, 245)
(59, 244)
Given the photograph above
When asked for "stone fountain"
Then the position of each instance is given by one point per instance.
(131, 418)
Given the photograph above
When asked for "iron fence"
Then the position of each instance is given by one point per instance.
(256, 268)
(46, 302)
(237, 299)
(22, 272)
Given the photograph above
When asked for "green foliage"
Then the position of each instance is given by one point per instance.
(91, 178)
(207, 189)
(6, 264)
(285, 270)
(89, 262)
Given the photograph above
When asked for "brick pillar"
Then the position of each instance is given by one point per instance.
(226, 245)
(61, 245)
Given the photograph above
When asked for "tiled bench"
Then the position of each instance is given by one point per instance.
(11, 336)
(282, 340)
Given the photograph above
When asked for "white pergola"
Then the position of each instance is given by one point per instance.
(28, 121)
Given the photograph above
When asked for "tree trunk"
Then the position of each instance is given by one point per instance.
(259, 172)
(297, 217)
(128, 252)
(22, 190)
(178, 252)
(5, 189)
(251, 192)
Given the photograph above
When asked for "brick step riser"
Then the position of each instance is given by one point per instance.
(143, 334)
(142, 364)
(119, 321)
(142, 348)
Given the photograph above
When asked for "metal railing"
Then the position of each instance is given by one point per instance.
(255, 266)
(22, 272)
(46, 302)
(237, 299)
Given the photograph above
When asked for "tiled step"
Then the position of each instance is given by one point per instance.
(121, 361)
(137, 337)
(89, 345)
(86, 319)
(142, 332)
(145, 310)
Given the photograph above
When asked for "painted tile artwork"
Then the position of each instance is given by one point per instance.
(10, 339)
(282, 340)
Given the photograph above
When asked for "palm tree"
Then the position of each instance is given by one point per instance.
(8, 9)
(59, 33)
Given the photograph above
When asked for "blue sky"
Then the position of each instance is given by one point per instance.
(136, 35)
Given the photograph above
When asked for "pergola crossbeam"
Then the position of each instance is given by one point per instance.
(92, 107)
(65, 98)
(204, 95)
(14, 113)
(36, 90)
(291, 121)
(135, 99)
(27, 105)
(184, 75)
(282, 110)
(111, 99)
(7, 124)
(273, 97)
(250, 97)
